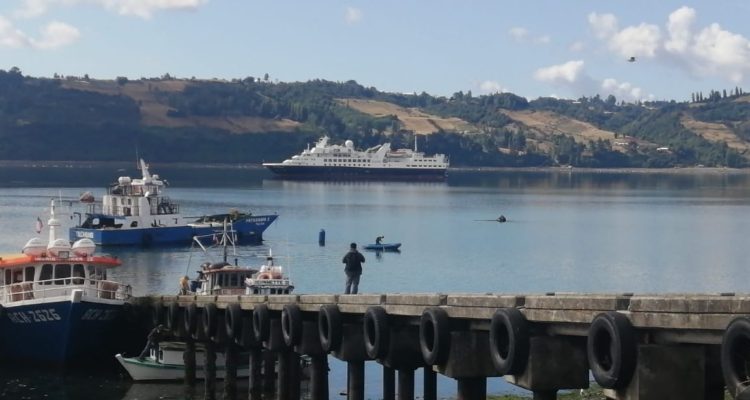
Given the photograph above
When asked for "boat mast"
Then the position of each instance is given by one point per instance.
(415, 142)
(53, 222)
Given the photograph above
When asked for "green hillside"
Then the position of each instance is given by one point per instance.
(252, 120)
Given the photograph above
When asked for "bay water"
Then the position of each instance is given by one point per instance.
(566, 231)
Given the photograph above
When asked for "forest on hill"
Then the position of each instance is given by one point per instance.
(252, 120)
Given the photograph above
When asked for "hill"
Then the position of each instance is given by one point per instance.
(251, 120)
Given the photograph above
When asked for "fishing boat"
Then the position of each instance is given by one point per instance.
(383, 246)
(57, 306)
(165, 363)
(137, 212)
(327, 161)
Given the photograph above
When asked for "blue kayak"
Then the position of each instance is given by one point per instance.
(383, 246)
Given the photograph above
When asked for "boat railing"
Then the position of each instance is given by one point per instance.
(95, 288)
(164, 207)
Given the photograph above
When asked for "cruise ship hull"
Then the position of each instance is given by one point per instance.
(339, 172)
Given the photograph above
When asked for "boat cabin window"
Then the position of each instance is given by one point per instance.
(29, 271)
(62, 271)
(45, 275)
(96, 274)
(78, 274)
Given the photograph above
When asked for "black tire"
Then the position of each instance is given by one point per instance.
(330, 327)
(209, 320)
(434, 336)
(291, 324)
(376, 332)
(233, 322)
(190, 320)
(261, 323)
(735, 358)
(157, 314)
(612, 350)
(173, 317)
(509, 341)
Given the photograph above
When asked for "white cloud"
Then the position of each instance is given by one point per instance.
(522, 35)
(56, 34)
(491, 87)
(562, 73)
(623, 90)
(577, 46)
(544, 39)
(352, 15)
(641, 40)
(10, 36)
(518, 33)
(140, 8)
(678, 26)
(603, 25)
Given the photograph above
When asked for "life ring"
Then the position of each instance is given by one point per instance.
(735, 344)
(173, 314)
(157, 313)
(209, 320)
(264, 275)
(291, 324)
(509, 341)
(330, 327)
(233, 322)
(376, 332)
(190, 320)
(261, 323)
(434, 335)
(612, 351)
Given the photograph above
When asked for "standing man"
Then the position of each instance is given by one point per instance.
(353, 260)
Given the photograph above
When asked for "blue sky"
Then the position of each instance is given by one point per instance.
(531, 48)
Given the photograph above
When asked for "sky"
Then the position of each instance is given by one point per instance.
(556, 48)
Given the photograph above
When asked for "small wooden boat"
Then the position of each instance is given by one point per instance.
(383, 246)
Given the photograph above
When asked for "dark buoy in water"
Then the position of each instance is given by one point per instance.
(322, 237)
(501, 218)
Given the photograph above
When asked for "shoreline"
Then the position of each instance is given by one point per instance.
(131, 164)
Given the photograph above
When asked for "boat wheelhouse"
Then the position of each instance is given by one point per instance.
(138, 212)
(58, 305)
(379, 162)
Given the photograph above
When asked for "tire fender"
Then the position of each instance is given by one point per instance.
(291, 324)
(434, 335)
(735, 347)
(190, 320)
(509, 341)
(330, 327)
(233, 322)
(376, 332)
(261, 323)
(612, 350)
(209, 320)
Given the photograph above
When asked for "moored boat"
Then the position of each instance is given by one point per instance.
(326, 161)
(383, 246)
(137, 212)
(57, 306)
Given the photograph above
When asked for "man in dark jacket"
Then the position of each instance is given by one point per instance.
(154, 337)
(353, 260)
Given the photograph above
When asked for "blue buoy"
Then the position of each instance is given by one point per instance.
(322, 237)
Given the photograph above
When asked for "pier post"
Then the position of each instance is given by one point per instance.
(319, 377)
(283, 378)
(553, 363)
(255, 374)
(295, 376)
(430, 384)
(406, 384)
(269, 373)
(355, 378)
(188, 357)
(472, 389)
(230, 371)
(389, 383)
(545, 395)
(209, 368)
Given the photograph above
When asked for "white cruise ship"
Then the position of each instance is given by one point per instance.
(380, 162)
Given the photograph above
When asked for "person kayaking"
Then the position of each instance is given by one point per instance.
(379, 240)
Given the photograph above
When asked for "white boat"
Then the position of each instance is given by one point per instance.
(137, 212)
(57, 306)
(336, 161)
(166, 363)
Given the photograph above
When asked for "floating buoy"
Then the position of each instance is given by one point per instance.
(322, 237)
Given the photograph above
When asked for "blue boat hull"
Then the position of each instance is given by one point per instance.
(248, 230)
(383, 246)
(61, 333)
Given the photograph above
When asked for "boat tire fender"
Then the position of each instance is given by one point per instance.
(261, 323)
(173, 317)
(376, 332)
(157, 313)
(735, 345)
(190, 320)
(611, 349)
(233, 322)
(291, 324)
(209, 320)
(509, 341)
(330, 327)
(434, 335)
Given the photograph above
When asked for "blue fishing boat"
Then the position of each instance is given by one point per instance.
(383, 246)
(136, 212)
(57, 306)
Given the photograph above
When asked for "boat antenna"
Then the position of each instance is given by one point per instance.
(224, 240)
(415, 142)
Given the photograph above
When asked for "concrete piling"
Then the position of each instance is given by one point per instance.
(319, 377)
(231, 358)
(255, 374)
(355, 380)
(406, 384)
(209, 370)
(188, 357)
(430, 384)
(471, 389)
(389, 383)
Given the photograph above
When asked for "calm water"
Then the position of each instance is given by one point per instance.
(569, 232)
